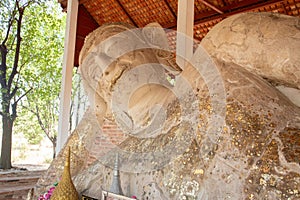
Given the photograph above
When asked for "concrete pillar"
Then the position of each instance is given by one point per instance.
(185, 30)
(67, 71)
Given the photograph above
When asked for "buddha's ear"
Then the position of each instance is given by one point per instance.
(155, 36)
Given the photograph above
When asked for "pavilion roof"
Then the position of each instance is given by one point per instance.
(94, 13)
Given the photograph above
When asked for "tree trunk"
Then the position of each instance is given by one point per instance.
(5, 160)
(54, 148)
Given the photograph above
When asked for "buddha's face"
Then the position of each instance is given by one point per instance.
(113, 58)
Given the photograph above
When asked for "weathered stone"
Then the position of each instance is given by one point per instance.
(220, 131)
(266, 44)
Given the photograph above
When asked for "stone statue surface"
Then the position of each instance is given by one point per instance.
(214, 129)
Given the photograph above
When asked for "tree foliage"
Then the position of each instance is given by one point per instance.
(31, 51)
(45, 79)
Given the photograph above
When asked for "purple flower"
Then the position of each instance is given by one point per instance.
(47, 195)
(41, 198)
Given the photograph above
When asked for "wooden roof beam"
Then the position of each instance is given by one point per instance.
(244, 6)
(171, 10)
(237, 10)
(127, 14)
(284, 9)
(211, 6)
(83, 1)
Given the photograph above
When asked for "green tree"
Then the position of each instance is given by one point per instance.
(31, 43)
(43, 102)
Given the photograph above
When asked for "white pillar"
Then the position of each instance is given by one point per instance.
(185, 30)
(67, 71)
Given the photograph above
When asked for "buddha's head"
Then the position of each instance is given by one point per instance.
(111, 51)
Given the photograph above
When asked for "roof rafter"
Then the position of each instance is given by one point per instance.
(82, 1)
(127, 14)
(212, 6)
(171, 10)
(283, 7)
(244, 6)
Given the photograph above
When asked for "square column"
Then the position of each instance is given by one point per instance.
(185, 32)
(67, 72)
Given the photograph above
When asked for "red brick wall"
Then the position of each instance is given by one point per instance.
(112, 135)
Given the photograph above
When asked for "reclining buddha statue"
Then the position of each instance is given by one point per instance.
(215, 128)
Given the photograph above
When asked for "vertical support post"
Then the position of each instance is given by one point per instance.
(67, 72)
(185, 32)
